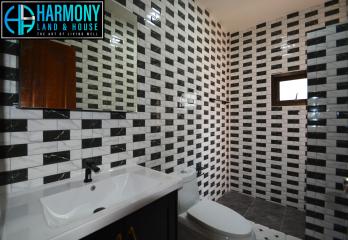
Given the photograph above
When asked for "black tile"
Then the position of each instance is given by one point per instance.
(91, 124)
(118, 148)
(8, 47)
(332, 12)
(118, 132)
(8, 99)
(342, 71)
(15, 176)
(292, 15)
(342, 144)
(118, 115)
(9, 73)
(342, 27)
(342, 56)
(331, 3)
(155, 156)
(59, 135)
(311, 14)
(311, 23)
(138, 137)
(56, 157)
(139, 152)
(13, 125)
(277, 24)
(138, 123)
(342, 158)
(317, 54)
(96, 160)
(316, 41)
(315, 175)
(56, 114)
(294, 32)
(118, 163)
(316, 81)
(139, 4)
(11, 151)
(316, 135)
(123, 2)
(342, 115)
(56, 177)
(316, 68)
(91, 142)
(313, 227)
(317, 149)
(342, 129)
(342, 42)
(332, 22)
(261, 25)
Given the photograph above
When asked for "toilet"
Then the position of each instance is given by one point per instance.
(206, 219)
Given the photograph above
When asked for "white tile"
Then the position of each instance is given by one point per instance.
(42, 171)
(41, 125)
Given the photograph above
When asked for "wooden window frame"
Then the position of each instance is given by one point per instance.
(277, 78)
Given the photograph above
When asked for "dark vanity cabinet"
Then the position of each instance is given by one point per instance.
(156, 221)
(47, 75)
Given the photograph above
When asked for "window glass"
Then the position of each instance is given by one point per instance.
(293, 90)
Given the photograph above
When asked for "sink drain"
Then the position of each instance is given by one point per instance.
(98, 209)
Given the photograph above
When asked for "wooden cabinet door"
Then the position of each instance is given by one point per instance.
(47, 75)
(157, 221)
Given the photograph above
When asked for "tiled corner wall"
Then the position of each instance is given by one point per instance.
(268, 144)
(106, 78)
(327, 163)
(181, 65)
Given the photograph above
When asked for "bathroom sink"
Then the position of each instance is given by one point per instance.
(72, 209)
(77, 203)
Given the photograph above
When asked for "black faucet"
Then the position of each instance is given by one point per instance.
(90, 166)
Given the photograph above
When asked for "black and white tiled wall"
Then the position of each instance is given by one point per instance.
(268, 144)
(106, 70)
(327, 163)
(203, 97)
(182, 55)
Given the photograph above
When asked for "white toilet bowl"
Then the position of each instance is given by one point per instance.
(207, 220)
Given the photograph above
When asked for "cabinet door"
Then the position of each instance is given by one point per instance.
(47, 75)
(157, 221)
(114, 231)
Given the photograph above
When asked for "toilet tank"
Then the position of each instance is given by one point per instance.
(188, 195)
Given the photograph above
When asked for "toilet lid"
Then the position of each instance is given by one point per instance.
(219, 219)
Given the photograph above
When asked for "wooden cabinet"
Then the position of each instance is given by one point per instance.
(47, 75)
(157, 221)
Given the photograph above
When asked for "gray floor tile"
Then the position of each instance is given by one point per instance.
(285, 219)
(265, 214)
(236, 201)
(294, 223)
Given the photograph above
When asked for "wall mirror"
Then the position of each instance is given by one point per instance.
(106, 70)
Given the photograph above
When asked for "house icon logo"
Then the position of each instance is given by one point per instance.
(19, 19)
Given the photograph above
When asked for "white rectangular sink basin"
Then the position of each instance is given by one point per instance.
(65, 209)
(78, 203)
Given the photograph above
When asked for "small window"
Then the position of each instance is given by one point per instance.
(289, 89)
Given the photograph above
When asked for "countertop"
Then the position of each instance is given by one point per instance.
(22, 215)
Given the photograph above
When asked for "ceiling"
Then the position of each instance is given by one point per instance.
(237, 15)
